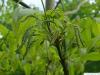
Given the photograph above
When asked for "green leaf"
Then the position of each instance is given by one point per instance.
(71, 69)
(94, 42)
(27, 69)
(94, 56)
(3, 30)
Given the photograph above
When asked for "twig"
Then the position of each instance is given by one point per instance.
(76, 35)
(48, 23)
(22, 3)
(57, 4)
(80, 38)
(43, 6)
(62, 60)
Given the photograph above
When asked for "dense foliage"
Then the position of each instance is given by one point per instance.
(49, 42)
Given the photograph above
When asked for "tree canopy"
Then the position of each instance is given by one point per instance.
(63, 39)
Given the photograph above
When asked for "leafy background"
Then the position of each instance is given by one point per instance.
(49, 42)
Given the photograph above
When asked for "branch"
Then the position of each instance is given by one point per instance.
(61, 56)
(77, 9)
(57, 4)
(22, 3)
(62, 61)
